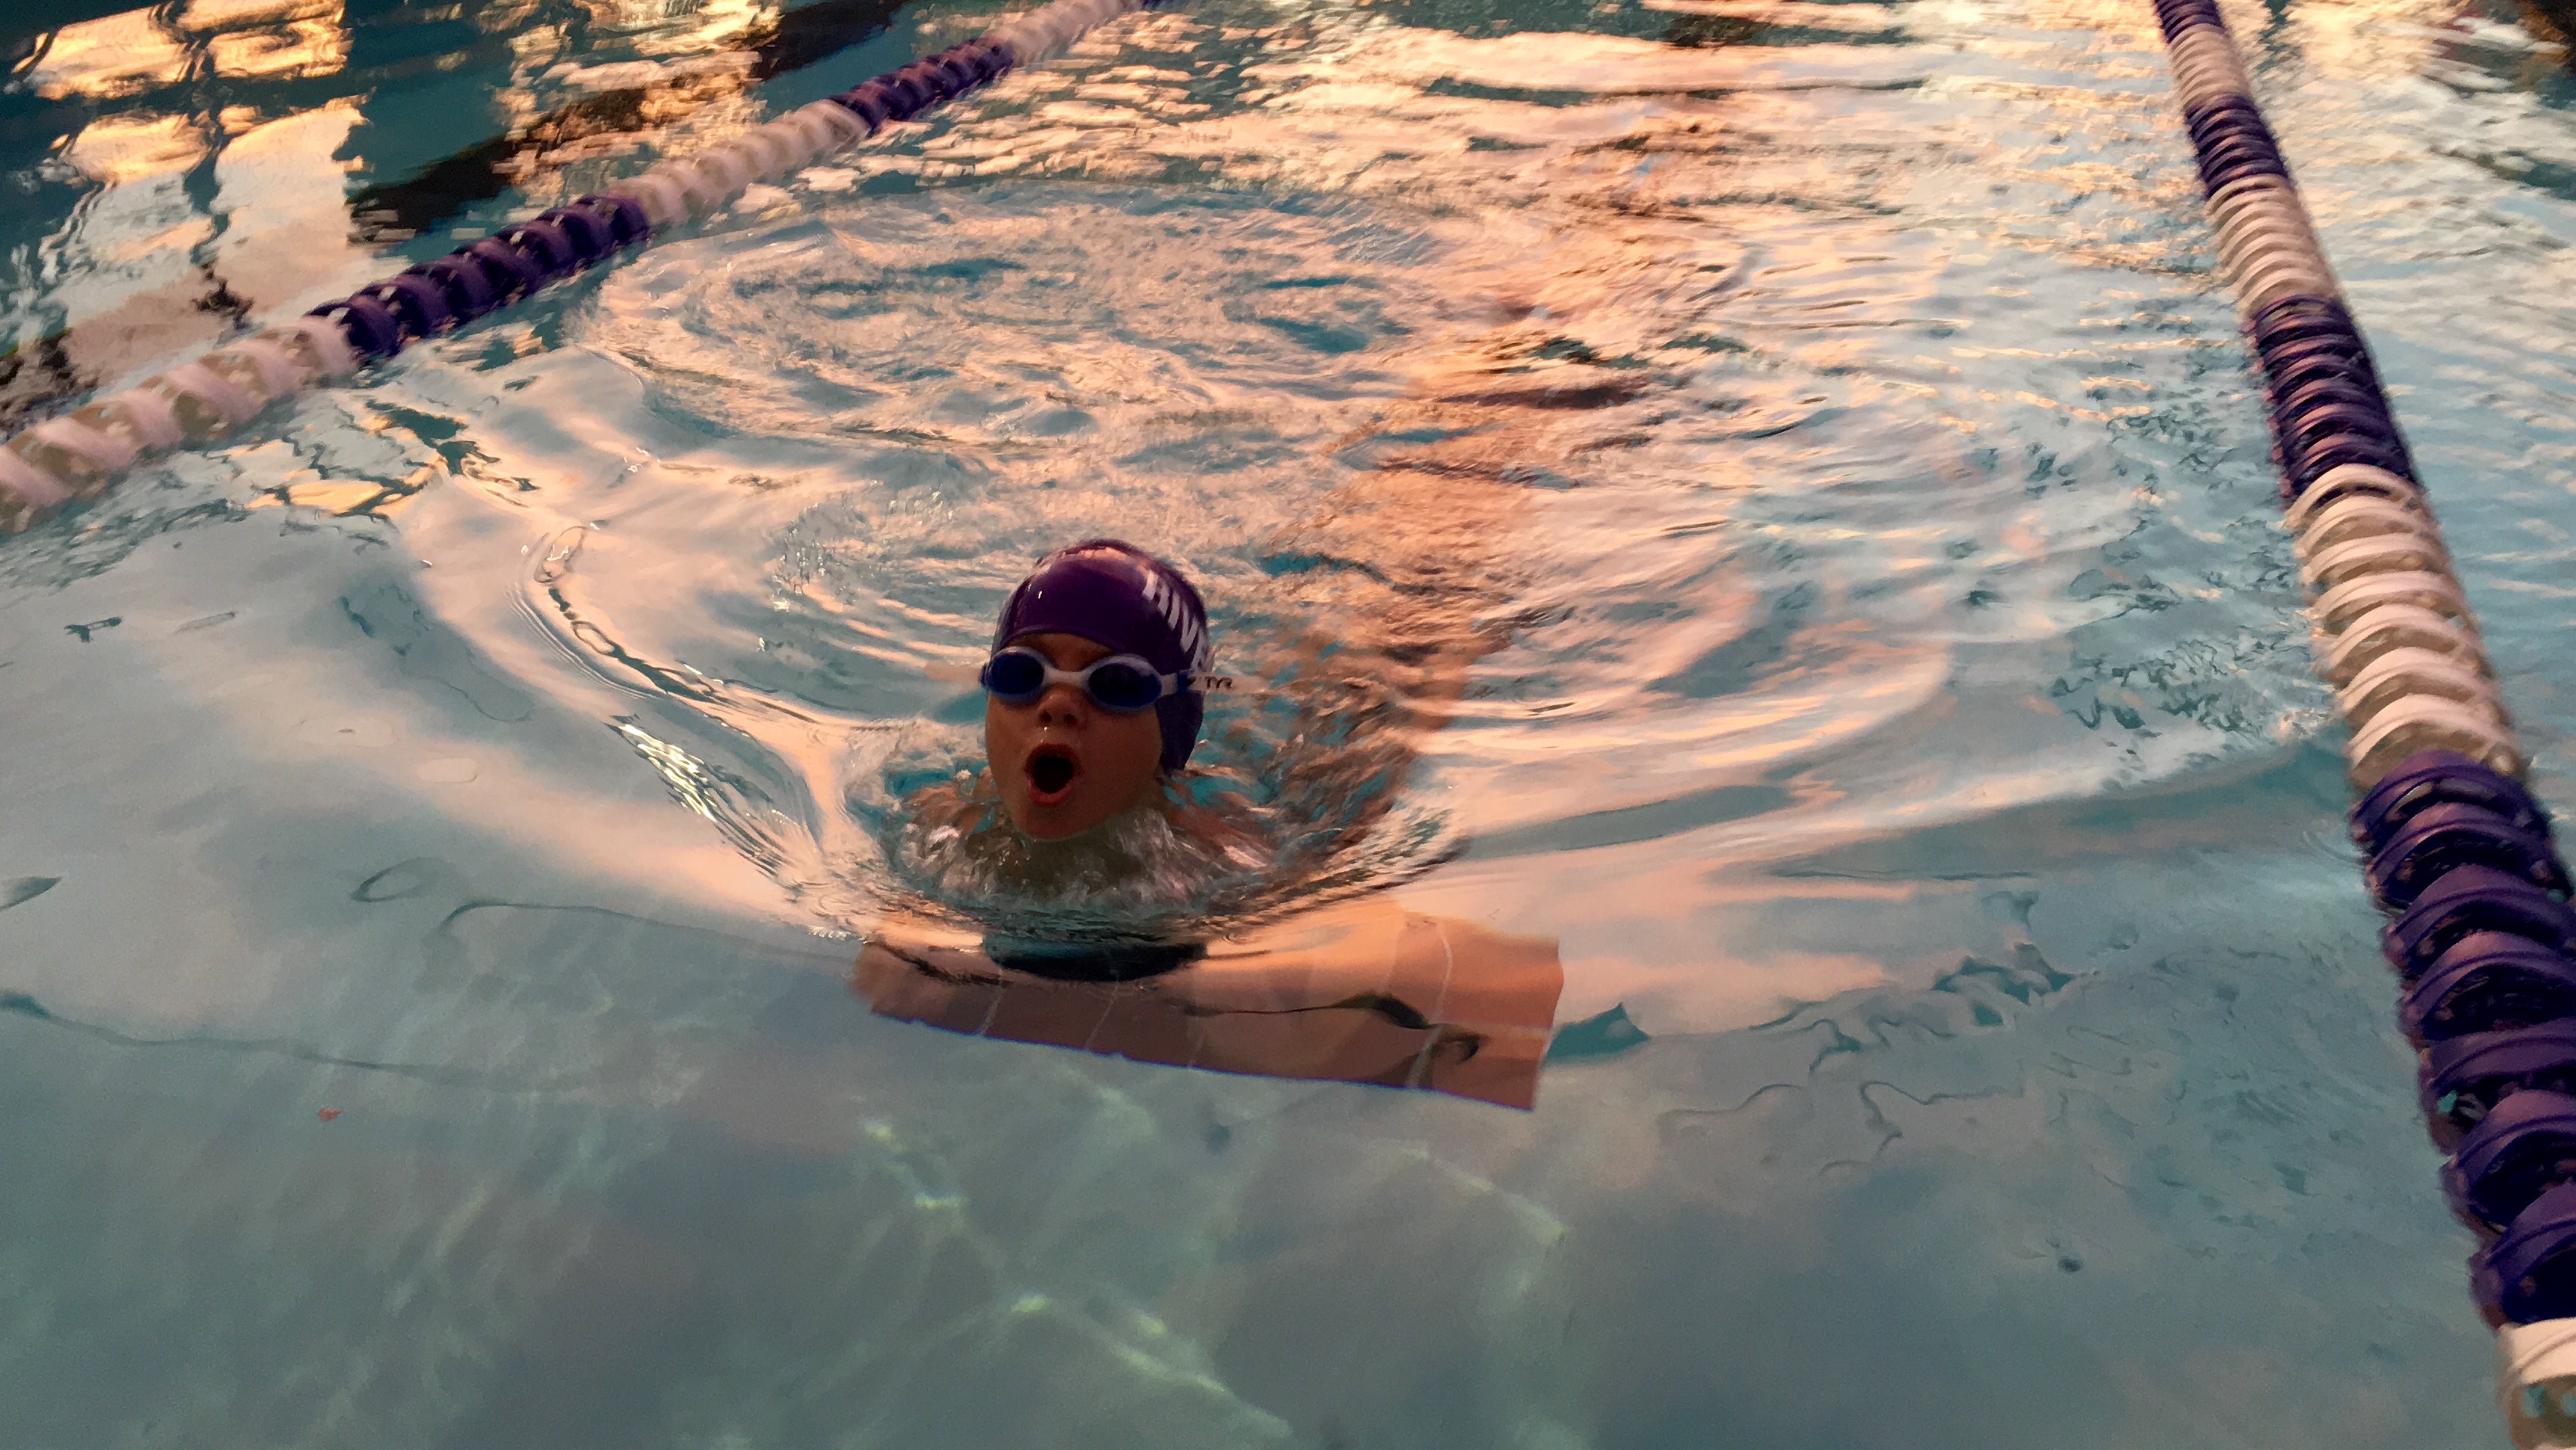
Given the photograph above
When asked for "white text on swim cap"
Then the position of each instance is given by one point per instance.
(1182, 619)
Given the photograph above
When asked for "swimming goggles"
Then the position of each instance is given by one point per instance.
(1121, 684)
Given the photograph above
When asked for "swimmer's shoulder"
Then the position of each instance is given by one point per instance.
(1223, 827)
(964, 802)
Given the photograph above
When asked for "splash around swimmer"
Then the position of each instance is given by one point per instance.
(1071, 816)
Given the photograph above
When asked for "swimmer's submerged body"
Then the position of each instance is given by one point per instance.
(1095, 694)
(1365, 992)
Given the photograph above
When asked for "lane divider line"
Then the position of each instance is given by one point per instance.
(80, 454)
(2456, 850)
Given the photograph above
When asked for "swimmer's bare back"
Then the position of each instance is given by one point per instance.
(1433, 529)
(1364, 992)
(1434, 567)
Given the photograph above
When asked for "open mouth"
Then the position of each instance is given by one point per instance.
(1052, 772)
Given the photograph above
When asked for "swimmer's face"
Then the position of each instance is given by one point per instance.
(1064, 764)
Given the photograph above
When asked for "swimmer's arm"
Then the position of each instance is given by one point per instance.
(913, 972)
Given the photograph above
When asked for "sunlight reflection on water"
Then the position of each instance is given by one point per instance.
(1762, 495)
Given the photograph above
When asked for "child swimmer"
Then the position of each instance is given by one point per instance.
(1095, 693)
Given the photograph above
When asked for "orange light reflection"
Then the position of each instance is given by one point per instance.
(116, 55)
(303, 48)
(115, 150)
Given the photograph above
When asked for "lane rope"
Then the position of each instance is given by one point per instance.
(79, 454)
(2458, 852)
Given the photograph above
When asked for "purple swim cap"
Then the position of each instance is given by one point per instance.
(1129, 602)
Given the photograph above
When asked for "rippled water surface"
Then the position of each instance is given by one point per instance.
(1766, 495)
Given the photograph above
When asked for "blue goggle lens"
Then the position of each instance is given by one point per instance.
(1118, 685)
(1016, 675)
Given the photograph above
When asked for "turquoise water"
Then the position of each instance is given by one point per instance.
(1796, 452)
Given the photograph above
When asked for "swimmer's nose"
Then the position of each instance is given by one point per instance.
(1063, 705)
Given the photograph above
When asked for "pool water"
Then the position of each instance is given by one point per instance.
(1765, 495)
